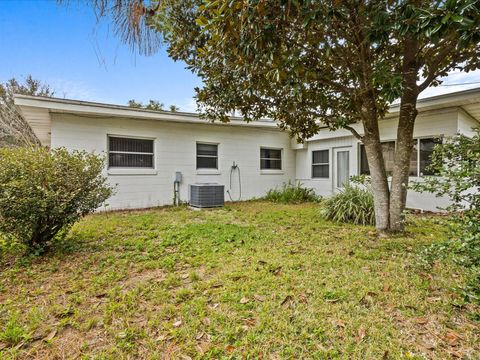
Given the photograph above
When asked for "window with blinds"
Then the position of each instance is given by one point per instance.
(207, 156)
(320, 164)
(270, 159)
(130, 152)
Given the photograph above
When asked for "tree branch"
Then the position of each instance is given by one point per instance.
(434, 64)
(354, 132)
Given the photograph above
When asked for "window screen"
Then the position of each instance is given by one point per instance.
(364, 169)
(388, 151)
(419, 160)
(343, 168)
(130, 153)
(426, 151)
(207, 156)
(413, 167)
(320, 164)
(270, 159)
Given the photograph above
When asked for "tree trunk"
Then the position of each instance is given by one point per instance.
(381, 193)
(401, 167)
(404, 146)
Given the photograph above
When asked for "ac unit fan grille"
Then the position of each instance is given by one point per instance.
(207, 195)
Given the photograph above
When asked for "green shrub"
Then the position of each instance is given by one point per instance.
(352, 204)
(456, 163)
(291, 193)
(44, 192)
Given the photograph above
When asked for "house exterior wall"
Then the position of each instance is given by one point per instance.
(466, 124)
(429, 124)
(175, 150)
(324, 186)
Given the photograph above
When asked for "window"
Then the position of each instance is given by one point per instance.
(413, 167)
(270, 159)
(207, 156)
(130, 153)
(421, 155)
(419, 160)
(364, 169)
(320, 164)
(388, 151)
(426, 150)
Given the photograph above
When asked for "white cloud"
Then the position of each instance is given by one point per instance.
(455, 81)
(79, 89)
(188, 105)
(69, 89)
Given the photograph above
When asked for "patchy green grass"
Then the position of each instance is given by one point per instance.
(251, 280)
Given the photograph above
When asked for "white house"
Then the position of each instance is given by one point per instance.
(146, 148)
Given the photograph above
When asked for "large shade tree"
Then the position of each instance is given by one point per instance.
(309, 64)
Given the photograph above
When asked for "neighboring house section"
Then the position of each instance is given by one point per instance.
(145, 149)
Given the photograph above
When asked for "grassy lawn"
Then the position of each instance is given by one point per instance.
(251, 280)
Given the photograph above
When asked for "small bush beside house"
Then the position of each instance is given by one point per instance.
(291, 193)
(352, 204)
(43, 192)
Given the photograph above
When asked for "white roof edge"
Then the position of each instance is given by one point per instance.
(57, 105)
(445, 100)
(453, 99)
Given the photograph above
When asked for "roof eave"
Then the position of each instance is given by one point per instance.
(55, 105)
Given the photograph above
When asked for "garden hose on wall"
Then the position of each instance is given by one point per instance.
(232, 169)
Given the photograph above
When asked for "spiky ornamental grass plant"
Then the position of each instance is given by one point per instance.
(352, 204)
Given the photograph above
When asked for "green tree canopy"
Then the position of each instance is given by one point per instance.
(309, 64)
(152, 105)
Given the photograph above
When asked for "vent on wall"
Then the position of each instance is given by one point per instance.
(206, 195)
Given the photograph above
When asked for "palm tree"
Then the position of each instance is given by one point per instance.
(132, 20)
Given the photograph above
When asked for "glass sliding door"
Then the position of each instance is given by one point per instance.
(342, 168)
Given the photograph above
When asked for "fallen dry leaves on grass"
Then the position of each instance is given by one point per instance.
(250, 280)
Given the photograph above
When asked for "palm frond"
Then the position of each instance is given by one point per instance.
(131, 20)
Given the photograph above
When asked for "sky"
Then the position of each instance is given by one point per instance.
(82, 59)
(65, 47)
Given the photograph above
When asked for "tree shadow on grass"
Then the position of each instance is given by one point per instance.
(15, 254)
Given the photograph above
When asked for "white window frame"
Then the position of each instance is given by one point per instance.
(130, 152)
(420, 174)
(264, 158)
(417, 143)
(206, 156)
(327, 163)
